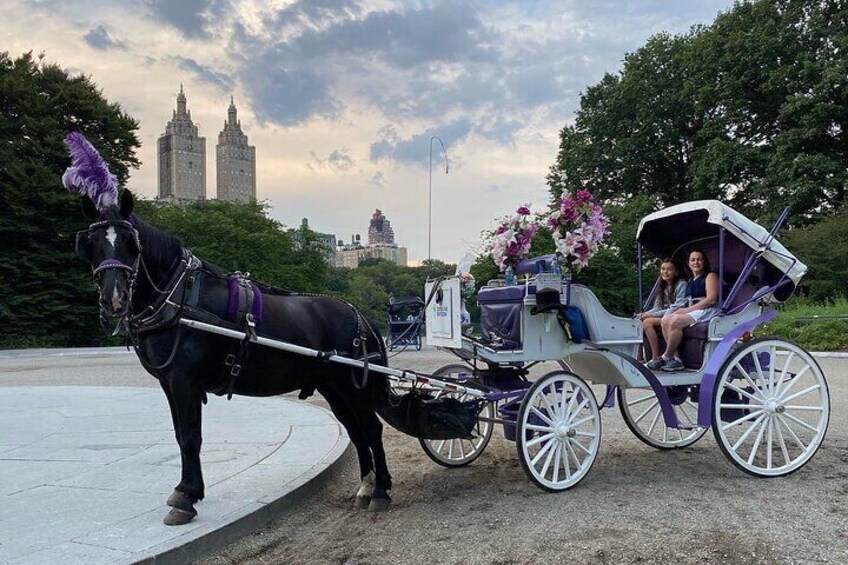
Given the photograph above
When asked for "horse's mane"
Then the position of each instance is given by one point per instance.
(160, 247)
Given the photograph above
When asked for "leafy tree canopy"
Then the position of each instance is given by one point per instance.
(751, 110)
(46, 293)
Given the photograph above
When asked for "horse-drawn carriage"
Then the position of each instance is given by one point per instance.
(198, 329)
(405, 322)
(765, 399)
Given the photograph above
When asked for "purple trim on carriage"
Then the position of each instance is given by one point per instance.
(233, 305)
(717, 359)
(660, 391)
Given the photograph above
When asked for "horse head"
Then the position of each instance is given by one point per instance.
(111, 247)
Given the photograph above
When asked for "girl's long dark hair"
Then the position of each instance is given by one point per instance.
(665, 290)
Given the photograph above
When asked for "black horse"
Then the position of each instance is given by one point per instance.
(148, 282)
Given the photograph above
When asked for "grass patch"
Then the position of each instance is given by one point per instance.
(819, 335)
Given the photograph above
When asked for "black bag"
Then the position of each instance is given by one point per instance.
(420, 415)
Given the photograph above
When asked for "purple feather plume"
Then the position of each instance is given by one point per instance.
(89, 174)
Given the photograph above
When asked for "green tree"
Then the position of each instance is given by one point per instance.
(752, 110)
(827, 275)
(241, 237)
(46, 293)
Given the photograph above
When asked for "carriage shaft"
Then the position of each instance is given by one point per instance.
(395, 375)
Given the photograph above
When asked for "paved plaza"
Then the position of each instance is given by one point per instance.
(85, 470)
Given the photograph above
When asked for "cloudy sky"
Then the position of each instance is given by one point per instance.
(342, 97)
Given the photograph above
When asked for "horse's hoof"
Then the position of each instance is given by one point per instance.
(379, 505)
(362, 502)
(178, 517)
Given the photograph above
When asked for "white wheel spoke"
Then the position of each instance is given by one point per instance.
(536, 428)
(566, 465)
(760, 376)
(801, 423)
(757, 441)
(538, 440)
(643, 414)
(782, 443)
(580, 445)
(584, 434)
(461, 449)
(641, 400)
(582, 421)
(802, 393)
(450, 450)
(744, 436)
(548, 459)
(757, 390)
(738, 406)
(804, 408)
(743, 392)
(551, 410)
(654, 422)
(792, 432)
(440, 446)
(572, 415)
(769, 443)
(750, 416)
(570, 449)
(557, 457)
(539, 413)
(772, 359)
(794, 380)
(785, 370)
(545, 448)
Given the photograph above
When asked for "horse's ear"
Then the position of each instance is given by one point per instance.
(126, 204)
(89, 210)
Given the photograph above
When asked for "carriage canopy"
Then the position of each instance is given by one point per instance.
(669, 232)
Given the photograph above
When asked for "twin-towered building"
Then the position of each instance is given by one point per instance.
(182, 159)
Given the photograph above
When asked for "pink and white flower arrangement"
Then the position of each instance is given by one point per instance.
(579, 227)
(510, 241)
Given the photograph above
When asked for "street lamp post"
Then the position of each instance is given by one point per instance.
(430, 197)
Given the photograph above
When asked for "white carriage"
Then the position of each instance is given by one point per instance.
(766, 399)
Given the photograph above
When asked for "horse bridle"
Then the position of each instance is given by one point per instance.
(107, 264)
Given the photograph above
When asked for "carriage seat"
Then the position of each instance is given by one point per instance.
(696, 336)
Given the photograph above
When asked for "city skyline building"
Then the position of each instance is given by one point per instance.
(380, 229)
(182, 157)
(235, 161)
(381, 245)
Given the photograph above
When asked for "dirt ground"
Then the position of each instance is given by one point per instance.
(637, 506)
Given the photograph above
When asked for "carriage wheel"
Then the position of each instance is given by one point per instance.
(558, 431)
(459, 452)
(771, 407)
(641, 411)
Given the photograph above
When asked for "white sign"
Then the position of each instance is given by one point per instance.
(444, 313)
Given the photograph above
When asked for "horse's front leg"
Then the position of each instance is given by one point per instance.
(186, 412)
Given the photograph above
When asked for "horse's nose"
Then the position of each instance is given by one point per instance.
(119, 300)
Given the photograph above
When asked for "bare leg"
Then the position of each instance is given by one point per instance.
(649, 326)
(673, 327)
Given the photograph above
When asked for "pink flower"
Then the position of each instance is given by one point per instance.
(523, 211)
